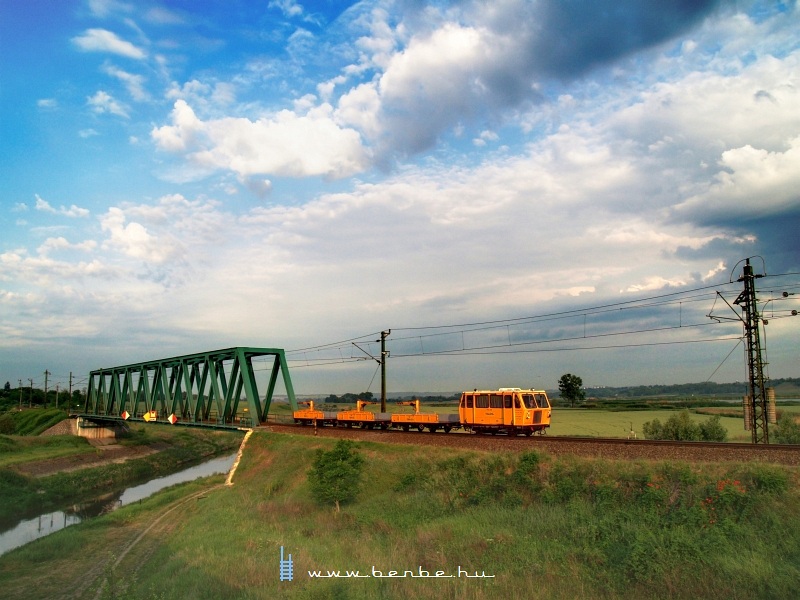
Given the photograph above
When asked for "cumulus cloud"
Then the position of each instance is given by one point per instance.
(132, 239)
(61, 243)
(751, 183)
(285, 144)
(72, 211)
(102, 40)
(103, 102)
(481, 60)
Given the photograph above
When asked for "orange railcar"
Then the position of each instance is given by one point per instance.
(364, 418)
(507, 410)
(421, 421)
(311, 416)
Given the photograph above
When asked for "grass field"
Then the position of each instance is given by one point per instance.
(541, 526)
(584, 422)
(21, 449)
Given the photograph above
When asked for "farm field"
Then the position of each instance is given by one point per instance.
(585, 422)
(605, 423)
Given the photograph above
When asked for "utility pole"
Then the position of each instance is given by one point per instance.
(760, 398)
(20, 394)
(57, 395)
(46, 374)
(384, 355)
(755, 364)
(30, 397)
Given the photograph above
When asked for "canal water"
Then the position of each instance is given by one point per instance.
(43, 525)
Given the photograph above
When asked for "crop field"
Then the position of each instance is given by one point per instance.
(585, 422)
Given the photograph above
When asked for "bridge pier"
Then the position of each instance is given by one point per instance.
(100, 433)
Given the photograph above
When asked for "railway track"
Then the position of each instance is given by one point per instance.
(609, 448)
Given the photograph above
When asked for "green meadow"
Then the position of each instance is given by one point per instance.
(529, 525)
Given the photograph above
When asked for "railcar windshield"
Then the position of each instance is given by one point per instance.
(541, 399)
(529, 400)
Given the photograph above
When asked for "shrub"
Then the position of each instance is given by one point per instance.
(336, 475)
(788, 430)
(678, 427)
(712, 430)
(7, 425)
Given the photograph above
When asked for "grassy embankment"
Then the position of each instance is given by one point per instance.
(545, 527)
(31, 421)
(22, 495)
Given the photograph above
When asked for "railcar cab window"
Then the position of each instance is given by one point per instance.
(482, 401)
(496, 401)
(529, 400)
(542, 400)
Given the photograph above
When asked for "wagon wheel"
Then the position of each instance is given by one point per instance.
(405, 428)
(447, 428)
(420, 428)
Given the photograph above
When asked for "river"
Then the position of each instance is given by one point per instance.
(45, 524)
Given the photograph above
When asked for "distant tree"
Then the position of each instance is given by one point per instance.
(571, 388)
(712, 430)
(681, 427)
(336, 475)
(653, 430)
(7, 387)
(787, 431)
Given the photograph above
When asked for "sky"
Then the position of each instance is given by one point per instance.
(516, 189)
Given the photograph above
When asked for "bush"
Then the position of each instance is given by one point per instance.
(788, 430)
(336, 475)
(7, 425)
(712, 430)
(680, 427)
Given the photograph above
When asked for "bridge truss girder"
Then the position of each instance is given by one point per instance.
(197, 388)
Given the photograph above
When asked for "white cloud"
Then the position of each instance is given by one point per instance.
(47, 103)
(289, 8)
(751, 183)
(102, 40)
(61, 243)
(72, 211)
(132, 239)
(285, 144)
(103, 8)
(103, 102)
(134, 83)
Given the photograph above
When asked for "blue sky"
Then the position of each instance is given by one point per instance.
(184, 176)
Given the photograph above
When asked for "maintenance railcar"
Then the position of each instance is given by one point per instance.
(507, 410)
(511, 411)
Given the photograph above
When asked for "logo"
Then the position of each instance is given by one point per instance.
(287, 567)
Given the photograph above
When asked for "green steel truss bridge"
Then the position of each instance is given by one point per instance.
(216, 389)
